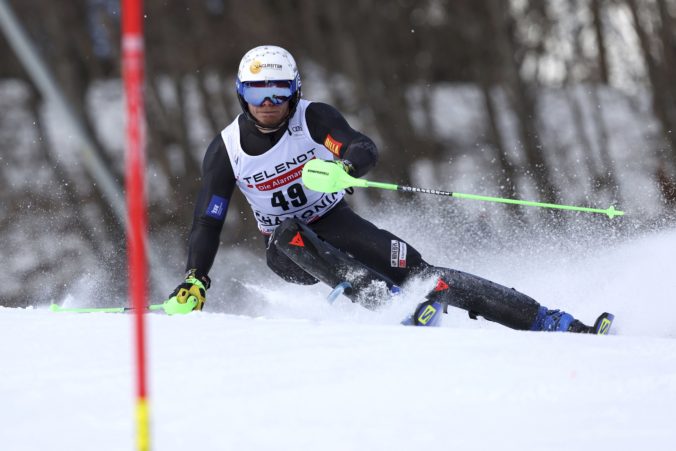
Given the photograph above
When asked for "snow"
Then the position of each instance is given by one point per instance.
(304, 375)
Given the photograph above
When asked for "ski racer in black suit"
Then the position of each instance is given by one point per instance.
(313, 236)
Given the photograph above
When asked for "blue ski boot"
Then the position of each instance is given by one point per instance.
(427, 314)
(558, 321)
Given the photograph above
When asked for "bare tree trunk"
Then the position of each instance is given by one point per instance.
(600, 166)
(658, 85)
(508, 182)
(602, 58)
(314, 38)
(522, 99)
(667, 33)
(578, 117)
(606, 180)
(207, 103)
(668, 46)
(667, 186)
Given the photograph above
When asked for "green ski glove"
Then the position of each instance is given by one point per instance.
(188, 296)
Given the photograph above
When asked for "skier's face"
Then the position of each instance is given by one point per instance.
(268, 114)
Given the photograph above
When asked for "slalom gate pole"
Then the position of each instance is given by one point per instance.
(328, 177)
(133, 74)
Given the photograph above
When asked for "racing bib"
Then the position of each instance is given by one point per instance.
(272, 182)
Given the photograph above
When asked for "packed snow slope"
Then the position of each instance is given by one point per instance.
(292, 372)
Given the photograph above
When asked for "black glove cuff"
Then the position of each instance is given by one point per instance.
(199, 276)
(363, 155)
(347, 166)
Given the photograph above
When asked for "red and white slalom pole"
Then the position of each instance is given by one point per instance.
(133, 74)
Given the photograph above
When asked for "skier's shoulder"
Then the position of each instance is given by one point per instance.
(323, 119)
(321, 112)
(216, 160)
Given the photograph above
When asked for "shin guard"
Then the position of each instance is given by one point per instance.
(330, 265)
(481, 297)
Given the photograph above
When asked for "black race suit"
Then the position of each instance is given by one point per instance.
(341, 226)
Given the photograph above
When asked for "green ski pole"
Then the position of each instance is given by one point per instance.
(171, 307)
(58, 309)
(329, 177)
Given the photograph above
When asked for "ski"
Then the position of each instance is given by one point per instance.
(602, 324)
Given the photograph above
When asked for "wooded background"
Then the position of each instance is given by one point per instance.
(379, 62)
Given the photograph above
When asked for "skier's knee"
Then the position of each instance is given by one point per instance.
(281, 264)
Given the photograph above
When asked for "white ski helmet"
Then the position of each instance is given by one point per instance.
(261, 67)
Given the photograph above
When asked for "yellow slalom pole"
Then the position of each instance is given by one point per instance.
(142, 424)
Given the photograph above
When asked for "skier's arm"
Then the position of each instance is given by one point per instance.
(218, 182)
(329, 128)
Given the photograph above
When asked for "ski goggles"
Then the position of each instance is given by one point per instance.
(257, 92)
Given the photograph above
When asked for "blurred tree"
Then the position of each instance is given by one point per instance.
(512, 53)
(653, 24)
(597, 7)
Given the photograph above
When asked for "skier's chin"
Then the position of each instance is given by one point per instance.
(270, 121)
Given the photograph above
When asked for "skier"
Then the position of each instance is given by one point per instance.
(312, 236)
